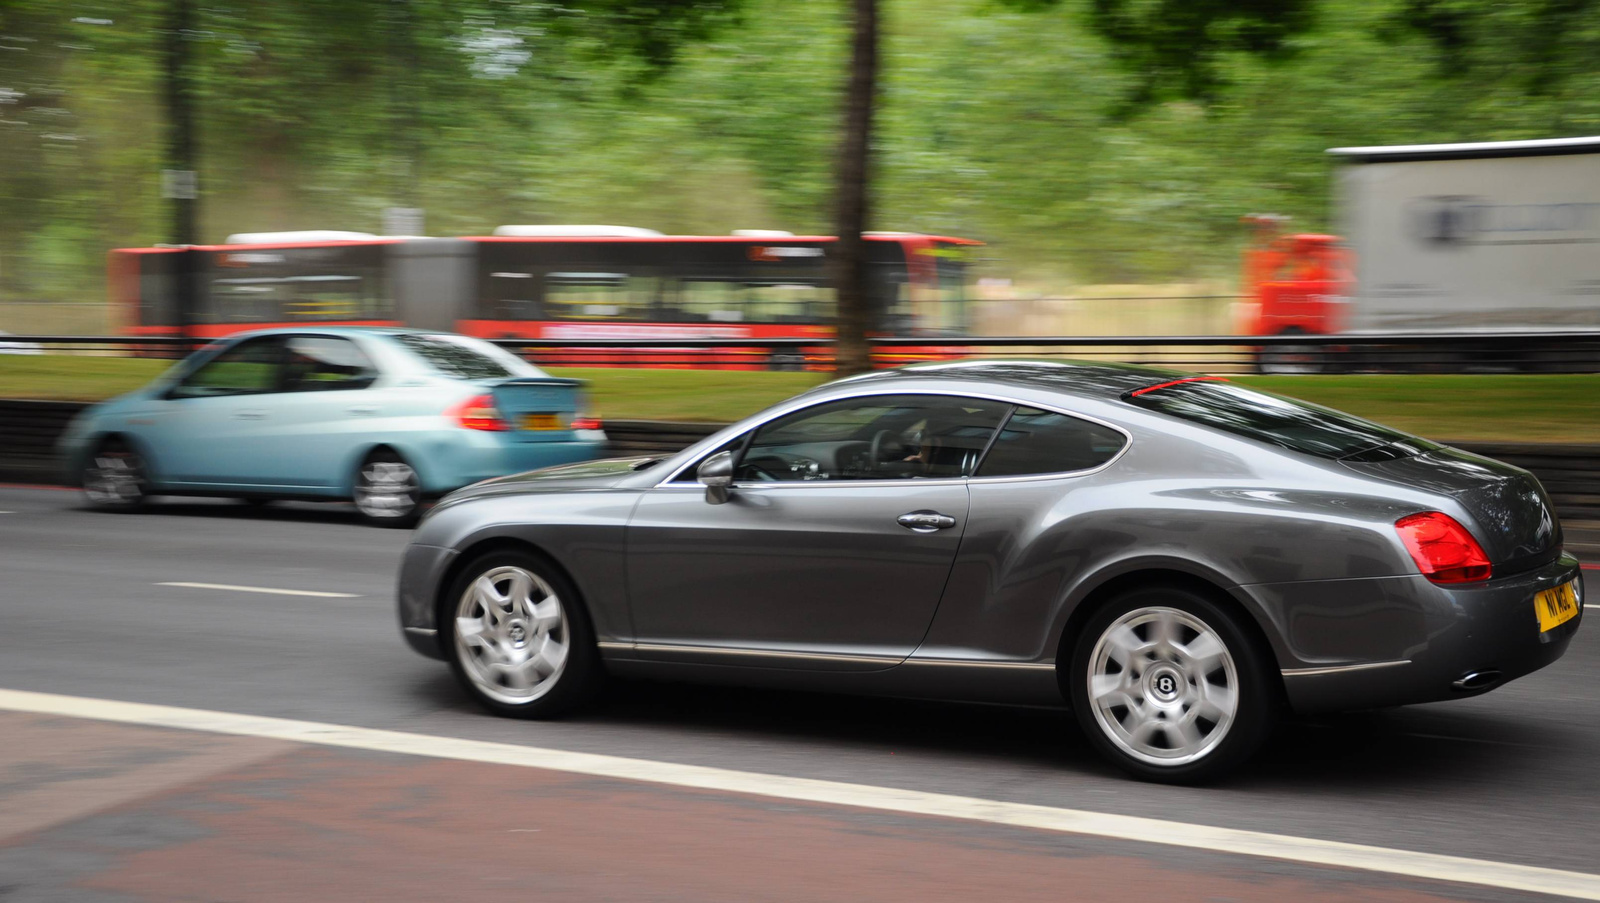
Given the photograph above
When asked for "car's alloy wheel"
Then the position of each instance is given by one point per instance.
(115, 478)
(387, 490)
(1167, 685)
(518, 637)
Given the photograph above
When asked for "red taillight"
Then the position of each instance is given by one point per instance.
(1442, 548)
(478, 413)
(587, 423)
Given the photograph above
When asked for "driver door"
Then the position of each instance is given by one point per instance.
(813, 561)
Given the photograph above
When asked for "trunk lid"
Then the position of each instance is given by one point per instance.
(1515, 521)
(538, 408)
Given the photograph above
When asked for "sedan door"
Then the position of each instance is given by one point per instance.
(833, 547)
(327, 412)
(208, 430)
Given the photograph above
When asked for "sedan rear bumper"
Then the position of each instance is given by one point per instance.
(1461, 641)
(469, 457)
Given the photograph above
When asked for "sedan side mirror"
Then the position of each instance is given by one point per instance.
(717, 473)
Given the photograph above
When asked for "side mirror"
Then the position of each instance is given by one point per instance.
(717, 473)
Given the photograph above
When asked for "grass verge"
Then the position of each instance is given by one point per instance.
(1481, 407)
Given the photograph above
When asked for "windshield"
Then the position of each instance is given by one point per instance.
(461, 357)
(1280, 421)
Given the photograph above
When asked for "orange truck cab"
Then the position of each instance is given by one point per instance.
(1293, 284)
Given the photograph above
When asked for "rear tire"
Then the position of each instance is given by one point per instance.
(387, 490)
(1285, 360)
(1170, 687)
(518, 637)
(115, 478)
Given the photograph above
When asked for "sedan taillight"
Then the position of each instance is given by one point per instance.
(1442, 548)
(587, 423)
(478, 413)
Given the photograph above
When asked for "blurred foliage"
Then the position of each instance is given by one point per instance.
(1001, 119)
(1172, 46)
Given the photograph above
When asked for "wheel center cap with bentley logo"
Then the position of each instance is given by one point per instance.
(1165, 684)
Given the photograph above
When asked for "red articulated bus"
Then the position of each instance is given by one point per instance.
(553, 282)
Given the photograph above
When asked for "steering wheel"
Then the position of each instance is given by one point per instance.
(875, 456)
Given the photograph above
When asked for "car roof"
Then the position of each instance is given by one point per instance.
(331, 330)
(1093, 379)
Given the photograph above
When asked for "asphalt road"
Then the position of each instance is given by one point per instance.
(1511, 776)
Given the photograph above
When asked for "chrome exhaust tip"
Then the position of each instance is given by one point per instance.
(1476, 680)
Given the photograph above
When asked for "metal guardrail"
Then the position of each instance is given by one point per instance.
(1548, 352)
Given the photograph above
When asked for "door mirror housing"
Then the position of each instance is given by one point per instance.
(717, 473)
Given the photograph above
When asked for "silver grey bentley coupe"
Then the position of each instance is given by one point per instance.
(1178, 559)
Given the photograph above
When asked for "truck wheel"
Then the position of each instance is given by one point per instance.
(1279, 360)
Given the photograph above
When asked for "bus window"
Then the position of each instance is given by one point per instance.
(709, 301)
(741, 300)
(788, 302)
(598, 296)
(312, 284)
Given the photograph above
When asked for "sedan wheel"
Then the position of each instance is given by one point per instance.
(1167, 685)
(519, 639)
(115, 478)
(387, 490)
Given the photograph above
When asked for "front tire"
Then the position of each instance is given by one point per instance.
(518, 636)
(1169, 686)
(116, 478)
(387, 490)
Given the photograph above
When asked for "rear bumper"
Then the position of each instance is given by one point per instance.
(474, 456)
(1420, 640)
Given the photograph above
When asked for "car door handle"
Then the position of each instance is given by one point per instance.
(362, 409)
(249, 415)
(926, 521)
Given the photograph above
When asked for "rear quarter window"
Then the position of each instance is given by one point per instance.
(1041, 442)
(1276, 420)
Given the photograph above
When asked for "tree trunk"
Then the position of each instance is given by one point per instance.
(183, 182)
(856, 317)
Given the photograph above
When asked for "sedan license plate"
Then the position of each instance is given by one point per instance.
(541, 422)
(1556, 606)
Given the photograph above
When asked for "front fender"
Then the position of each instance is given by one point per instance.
(583, 533)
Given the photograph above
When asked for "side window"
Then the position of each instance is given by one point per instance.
(1038, 442)
(881, 437)
(318, 363)
(251, 367)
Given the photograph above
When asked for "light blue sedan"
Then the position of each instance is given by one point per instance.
(384, 417)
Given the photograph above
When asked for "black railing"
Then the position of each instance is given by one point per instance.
(1524, 352)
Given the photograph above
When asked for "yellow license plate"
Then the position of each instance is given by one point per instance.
(541, 422)
(1556, 606)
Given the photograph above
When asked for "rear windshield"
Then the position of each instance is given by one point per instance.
(461, 357)
(1283, 422)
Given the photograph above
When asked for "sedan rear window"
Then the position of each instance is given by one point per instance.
(456, 357)
(1284, 422)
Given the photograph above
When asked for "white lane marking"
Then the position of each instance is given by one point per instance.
(8, 512)
(264, 589)
(1453, 869)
